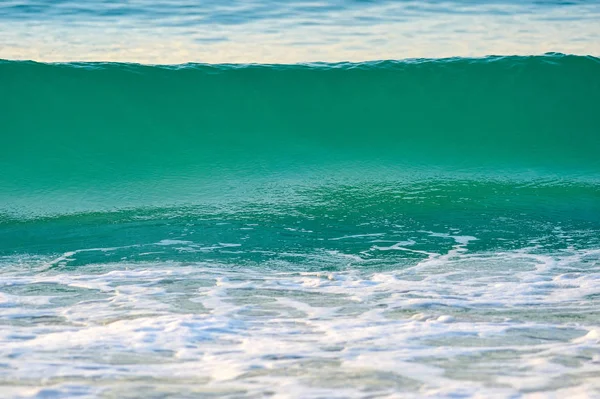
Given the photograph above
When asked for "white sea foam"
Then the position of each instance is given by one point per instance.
(460, 324)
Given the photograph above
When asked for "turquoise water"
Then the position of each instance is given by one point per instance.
(303, 220)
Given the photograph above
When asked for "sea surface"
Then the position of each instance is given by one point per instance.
(300, 199)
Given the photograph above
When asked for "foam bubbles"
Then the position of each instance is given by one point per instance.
(454, 324)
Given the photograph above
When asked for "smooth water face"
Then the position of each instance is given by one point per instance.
(289, 31)
(405, 228)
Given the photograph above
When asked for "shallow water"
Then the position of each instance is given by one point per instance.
(405, 228)
(462, 323)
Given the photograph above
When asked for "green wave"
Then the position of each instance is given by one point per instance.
(96, 137)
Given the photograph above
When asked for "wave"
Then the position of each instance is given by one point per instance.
(439, 216)
(80, 138)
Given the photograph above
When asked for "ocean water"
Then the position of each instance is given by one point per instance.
(291, 31)
(334, 199)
